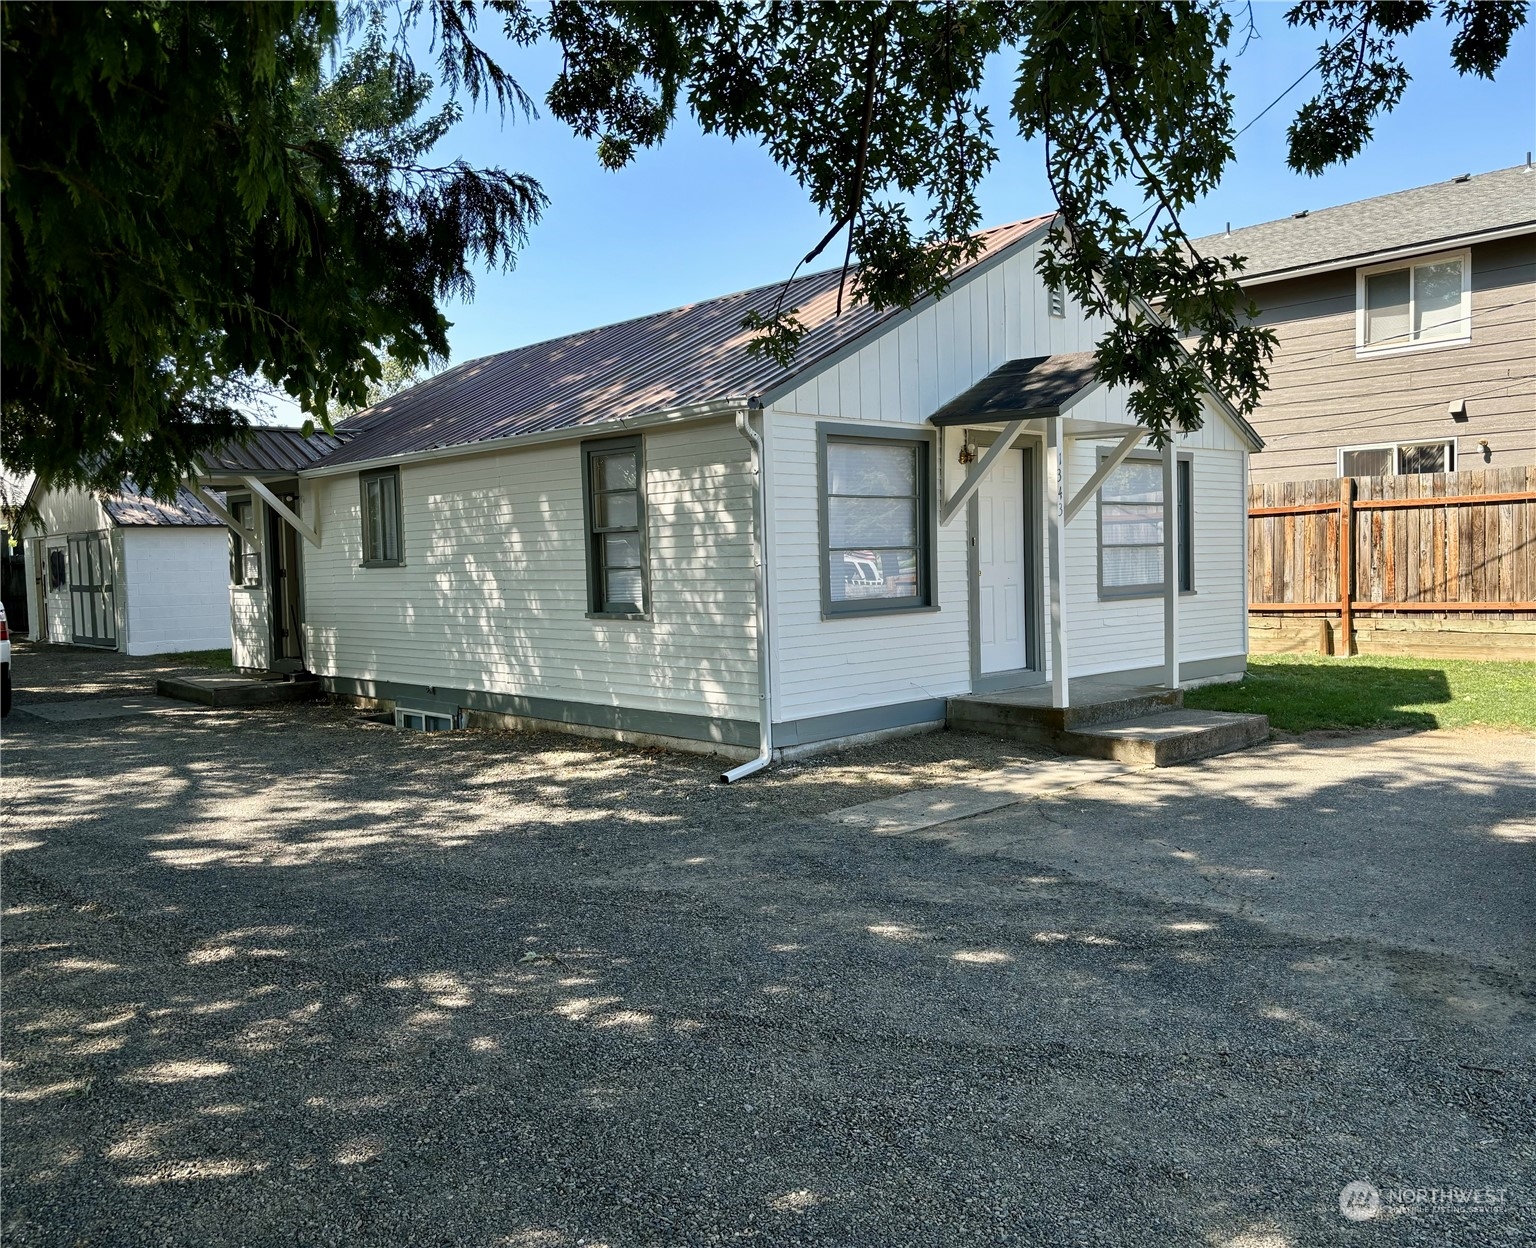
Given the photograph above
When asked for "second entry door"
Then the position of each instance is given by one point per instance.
(1001, 566)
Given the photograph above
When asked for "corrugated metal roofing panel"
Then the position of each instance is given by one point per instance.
(130, 509)
(685, 356)
(273, 449)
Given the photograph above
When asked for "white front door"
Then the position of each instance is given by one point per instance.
(1000, 599)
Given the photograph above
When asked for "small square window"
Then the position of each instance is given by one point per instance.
(422, 721)
(381, 518)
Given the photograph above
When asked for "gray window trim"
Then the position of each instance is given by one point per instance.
(600, 446)
(928, 520)
(362, 490)
(1119, 593)
(238, 554)
(1184, 519)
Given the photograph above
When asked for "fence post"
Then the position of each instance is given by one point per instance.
(1346, 646)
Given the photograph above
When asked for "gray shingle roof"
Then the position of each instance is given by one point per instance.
(1441, 214)
(689, 355)
(1038, 386)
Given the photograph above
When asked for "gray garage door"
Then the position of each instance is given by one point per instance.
(93, 619)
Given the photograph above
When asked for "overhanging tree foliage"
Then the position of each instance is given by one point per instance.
(193, 210)
(874, 108)
(186, 215)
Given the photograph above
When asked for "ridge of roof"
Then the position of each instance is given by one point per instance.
(1348, 233)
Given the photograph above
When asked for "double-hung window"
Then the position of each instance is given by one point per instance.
(876, 523)
(1423, 304)
(244, 560)
(1131, 528)
(614, 475)
(381, 518)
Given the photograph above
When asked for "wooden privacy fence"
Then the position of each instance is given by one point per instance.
(1458, 544)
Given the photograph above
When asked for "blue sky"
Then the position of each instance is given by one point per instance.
(700, 216)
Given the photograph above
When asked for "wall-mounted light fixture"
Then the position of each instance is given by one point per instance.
(1482, 445)
(967, 450)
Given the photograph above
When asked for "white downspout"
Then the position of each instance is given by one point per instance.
(760, 560)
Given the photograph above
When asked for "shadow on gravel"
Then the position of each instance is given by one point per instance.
(281, 976)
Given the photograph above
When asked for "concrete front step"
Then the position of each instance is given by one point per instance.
(1145, 728)
(1023, 717)
(235, 690)
(1167, 738)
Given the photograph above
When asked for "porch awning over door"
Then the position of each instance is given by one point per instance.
(1041, 385)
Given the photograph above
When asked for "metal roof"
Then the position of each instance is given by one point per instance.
(271, 449)
(127, 508)
(690, 355)
(1039, 386)
(1442, 214)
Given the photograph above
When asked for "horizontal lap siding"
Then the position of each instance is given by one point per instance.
(899, 378)
(828, 666)
(1321, 397)
(1108, 635)
(493, 594)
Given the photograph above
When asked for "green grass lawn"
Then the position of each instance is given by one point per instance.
(1300, 692)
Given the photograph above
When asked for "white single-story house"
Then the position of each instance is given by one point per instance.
(645, 532)
(123, 571)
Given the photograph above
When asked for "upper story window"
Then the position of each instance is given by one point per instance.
(618, 583)
(1426, 303)
(381, 518)
(876, 523)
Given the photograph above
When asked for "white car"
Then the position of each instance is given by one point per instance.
(5, 664)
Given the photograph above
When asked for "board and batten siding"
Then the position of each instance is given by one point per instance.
(1322, 397)
(492, 594)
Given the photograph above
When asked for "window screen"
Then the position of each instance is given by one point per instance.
(1131, 528)
(381, 518)
(616, 554)
(874, 540)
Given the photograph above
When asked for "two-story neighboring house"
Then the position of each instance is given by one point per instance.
(1406, 326)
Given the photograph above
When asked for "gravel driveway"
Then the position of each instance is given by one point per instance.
(286, 977)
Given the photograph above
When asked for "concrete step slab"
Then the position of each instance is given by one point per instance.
(1025, 716)
(231, 689)
(1167, 738)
